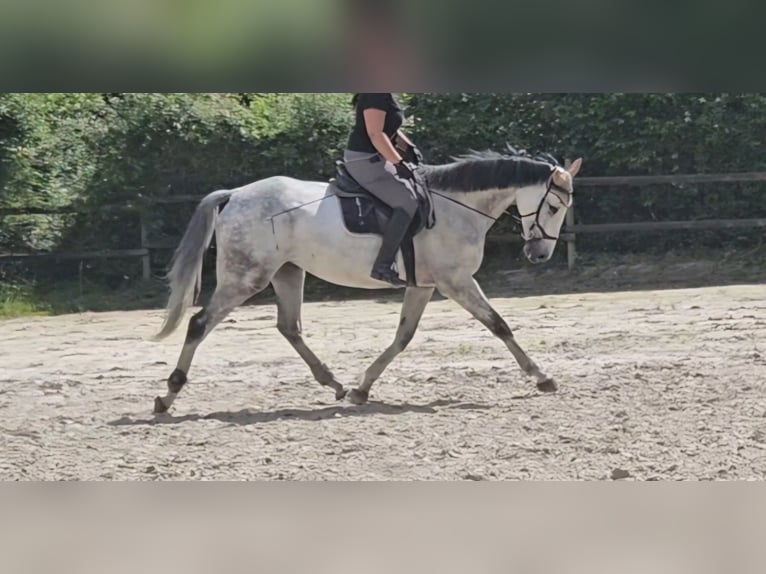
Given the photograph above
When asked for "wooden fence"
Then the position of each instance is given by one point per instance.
(571, 229)
(568, 234)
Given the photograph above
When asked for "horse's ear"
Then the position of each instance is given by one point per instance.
(574, 167)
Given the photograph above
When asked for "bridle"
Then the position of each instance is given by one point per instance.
(536, 224)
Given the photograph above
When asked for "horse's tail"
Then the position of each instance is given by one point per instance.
(185, 275)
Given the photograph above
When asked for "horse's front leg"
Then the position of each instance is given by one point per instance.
(467, 293)
(415, 301)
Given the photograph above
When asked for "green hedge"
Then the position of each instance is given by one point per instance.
(617, 134)
(97, 149)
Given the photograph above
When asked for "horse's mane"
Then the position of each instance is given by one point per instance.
(481, 170)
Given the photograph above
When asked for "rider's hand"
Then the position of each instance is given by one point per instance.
(412, 155)
(404, 170)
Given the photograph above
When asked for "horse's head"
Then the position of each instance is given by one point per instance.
(543, 209)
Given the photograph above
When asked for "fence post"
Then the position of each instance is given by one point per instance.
(146, 259)
(571, 252)
(570, 219)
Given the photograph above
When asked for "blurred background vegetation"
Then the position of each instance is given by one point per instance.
(93, 150)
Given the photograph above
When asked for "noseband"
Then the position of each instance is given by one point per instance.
(551, 186)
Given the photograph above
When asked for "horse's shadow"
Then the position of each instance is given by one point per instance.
(251, 417)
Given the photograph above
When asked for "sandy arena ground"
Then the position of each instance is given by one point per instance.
(654, 385)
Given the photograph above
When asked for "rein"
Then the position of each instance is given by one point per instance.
(461, 204)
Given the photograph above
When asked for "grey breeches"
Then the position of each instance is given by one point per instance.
(380, 179)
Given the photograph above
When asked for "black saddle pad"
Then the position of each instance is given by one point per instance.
(359, 215)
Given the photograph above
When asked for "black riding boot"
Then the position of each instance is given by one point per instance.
(392, 238)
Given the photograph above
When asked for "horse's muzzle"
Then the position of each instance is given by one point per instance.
(536, 251)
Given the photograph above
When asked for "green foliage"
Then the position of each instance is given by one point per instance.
(17, 300)
(45, 160)
(44, 155)
(617, 134)
(95, 150)
(24, 297)
(311, 135)
(105, 149)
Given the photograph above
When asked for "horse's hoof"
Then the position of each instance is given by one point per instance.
(159, 406)
(357, 397)
(340, 394)
(547, 386)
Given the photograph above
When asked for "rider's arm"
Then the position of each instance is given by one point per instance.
(374, 121)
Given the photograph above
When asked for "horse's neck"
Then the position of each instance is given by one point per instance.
(492, 202)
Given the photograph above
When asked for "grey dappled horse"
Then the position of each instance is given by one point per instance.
(255, 248)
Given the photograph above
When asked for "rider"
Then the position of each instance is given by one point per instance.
(374, 158)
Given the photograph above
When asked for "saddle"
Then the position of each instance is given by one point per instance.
(365, 214)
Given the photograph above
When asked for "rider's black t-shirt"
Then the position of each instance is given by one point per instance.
(359, 140)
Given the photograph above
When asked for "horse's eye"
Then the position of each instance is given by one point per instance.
(553, 210)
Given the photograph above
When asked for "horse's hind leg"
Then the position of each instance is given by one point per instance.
(288, 286)
(225, 299)
(415, 301)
